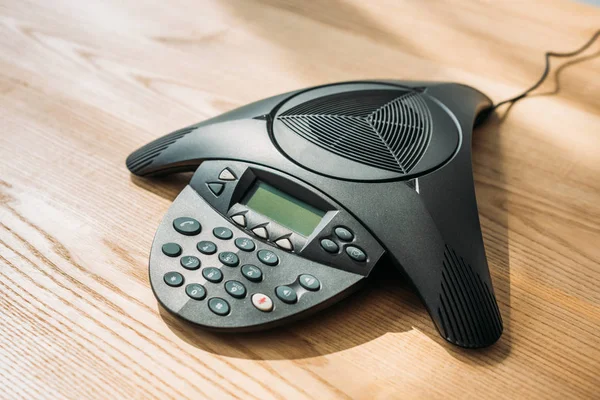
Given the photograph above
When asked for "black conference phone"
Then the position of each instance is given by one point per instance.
(297, 197)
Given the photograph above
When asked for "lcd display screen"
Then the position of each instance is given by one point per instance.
(283, 208)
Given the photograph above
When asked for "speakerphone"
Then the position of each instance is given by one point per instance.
(297, 198)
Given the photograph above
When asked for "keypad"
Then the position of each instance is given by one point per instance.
(171, 249)
(268, 257)
(206, 247)
(223, 233)
(309, 282)
(212, 274)
(286, 294)
(228, 258)
(219, 306)
(235, 289)
(252, 273)
(173, 279)
(190, 262)
(245, 244)
(187, 226)
(195, 291)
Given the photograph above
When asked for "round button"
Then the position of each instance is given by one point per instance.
(196, 291)
(212, 274)
(173, 279)
(244, 244)
(267, 257)
(344, 233)
(190, 262)
(187, 226)
(171, 249)
(219, 306)
(262, 302)
(206, 247)
(286, 294)
(309, 282)
(223, 233)
(329, 246)
(355, 253)
(252, 272)
(236, 289)
(228, 258)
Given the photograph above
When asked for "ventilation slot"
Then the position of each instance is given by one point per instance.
(468, 311)
(388, 129)
(143, 157)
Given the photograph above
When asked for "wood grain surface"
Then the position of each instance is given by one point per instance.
(84, 83)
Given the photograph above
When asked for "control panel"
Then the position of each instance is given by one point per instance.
(288, 214)
(208, 270)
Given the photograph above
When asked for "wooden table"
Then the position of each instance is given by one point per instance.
(83, 83)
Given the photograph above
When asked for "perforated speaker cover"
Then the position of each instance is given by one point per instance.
(366, 131)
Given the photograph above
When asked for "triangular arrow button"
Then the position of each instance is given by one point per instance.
(216, 188)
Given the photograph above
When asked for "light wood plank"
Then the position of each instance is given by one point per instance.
(82, 84)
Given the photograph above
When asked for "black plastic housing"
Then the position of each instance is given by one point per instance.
(396, 155)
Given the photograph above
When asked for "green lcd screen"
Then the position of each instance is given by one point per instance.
(283, 208)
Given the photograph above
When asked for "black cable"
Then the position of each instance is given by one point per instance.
(547, 56)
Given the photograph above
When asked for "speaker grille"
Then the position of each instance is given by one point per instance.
(468, 311)
(388, 129)
(144, 156)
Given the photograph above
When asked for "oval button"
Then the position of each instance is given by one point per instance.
(244, 244)
(262, 302)
(252, 273)
(329, 246)
(309, 282)
(212, 274)
(219, 306)
(235, 289)
(171, 249)
(173, 279)
(344, 233)
(206, 247)
(187, 226)
(286, 294)
(229, 258)
(267, 257)
(356, 254)
(190, 262)
(223, 233)
(195, 291)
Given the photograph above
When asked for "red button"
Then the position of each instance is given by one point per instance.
(262, 302)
